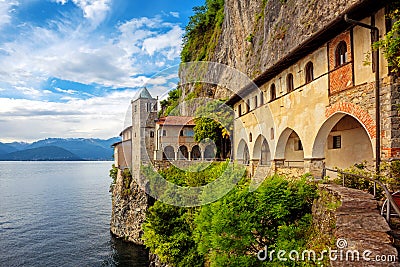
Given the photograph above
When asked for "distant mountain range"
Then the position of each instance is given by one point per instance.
(51, 149)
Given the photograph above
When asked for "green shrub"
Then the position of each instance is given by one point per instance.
(113, 174)
(230, 231)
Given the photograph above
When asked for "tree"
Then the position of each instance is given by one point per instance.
(214, 121)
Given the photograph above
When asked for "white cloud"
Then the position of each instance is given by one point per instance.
(75, 118)
(174, 14)
(169, 43)
(5, 11)
(68, 91)
(69, 52)
(94, 10)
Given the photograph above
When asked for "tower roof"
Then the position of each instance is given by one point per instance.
(143, 93)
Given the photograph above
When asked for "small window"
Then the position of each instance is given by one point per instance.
(255, 102)
(289, 83)
(151, 134)
(240, 110)
(248, 105)
(190, 133)
(272, 134)
(164, 133)
(181, 133)
(155, 107)
(262, 98)
(309, 72)
(250, 137)
(341, 54)
(337, 142)
(135, 108)
(273, 92)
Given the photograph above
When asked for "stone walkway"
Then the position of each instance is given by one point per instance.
(360, 228)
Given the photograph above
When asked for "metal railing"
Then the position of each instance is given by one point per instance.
(390, 201)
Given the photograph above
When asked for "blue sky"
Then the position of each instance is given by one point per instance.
(68, 68)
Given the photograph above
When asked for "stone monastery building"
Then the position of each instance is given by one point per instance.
(320, 105)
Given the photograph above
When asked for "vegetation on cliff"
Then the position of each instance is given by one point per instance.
(203, 31)
(232, 230)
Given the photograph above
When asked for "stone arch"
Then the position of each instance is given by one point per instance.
(320, 143)
(355, 111)
(183, 153)
(281, 144)
(196, 153)
(168, 153)
(261, 151)
(290, 148)
(243, 155)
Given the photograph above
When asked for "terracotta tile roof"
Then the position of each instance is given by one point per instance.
(176, 120)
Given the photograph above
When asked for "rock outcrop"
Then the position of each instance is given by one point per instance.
(128, 210)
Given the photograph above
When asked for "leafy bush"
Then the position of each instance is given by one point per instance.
(230, 231)
(113, 174)
(356, 181)
(391, 174)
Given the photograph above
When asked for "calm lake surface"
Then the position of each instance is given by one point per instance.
(58, 214)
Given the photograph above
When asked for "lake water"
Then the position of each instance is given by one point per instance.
(58, 214)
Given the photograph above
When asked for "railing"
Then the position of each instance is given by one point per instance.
(390, 203)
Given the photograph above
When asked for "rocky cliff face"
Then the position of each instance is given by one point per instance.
(129, 207)
(256, 34)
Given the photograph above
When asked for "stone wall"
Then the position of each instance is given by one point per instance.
(390, 113)
(290, 171)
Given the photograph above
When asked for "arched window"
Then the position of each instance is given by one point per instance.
(183, 153)
(341, 54)
(169, 153)
(309, 72)
(273, 92)
(196, 153)
(289, 83)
